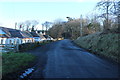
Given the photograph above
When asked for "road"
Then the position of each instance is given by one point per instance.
(62, 59)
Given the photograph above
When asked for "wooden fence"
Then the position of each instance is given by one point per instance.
(9, 48)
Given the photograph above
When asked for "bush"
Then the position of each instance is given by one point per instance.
(28, 46)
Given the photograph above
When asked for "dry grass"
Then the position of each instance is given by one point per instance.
(102, 44)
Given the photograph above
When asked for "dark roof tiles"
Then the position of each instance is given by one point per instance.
(13, 33)
(34, 34)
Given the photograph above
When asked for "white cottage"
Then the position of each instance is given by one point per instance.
(15, 37)
(35, 36)
(27, 37)
(3, 36)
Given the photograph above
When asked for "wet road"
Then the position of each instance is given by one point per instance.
(62, 59)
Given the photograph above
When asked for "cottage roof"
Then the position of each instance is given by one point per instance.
(34, 34)
(5, 30)
(41, 36)
(26, 34)
(2, 32)
(16, 33)
(46, 36)
(11, 32)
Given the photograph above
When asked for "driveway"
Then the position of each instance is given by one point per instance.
(62, 59)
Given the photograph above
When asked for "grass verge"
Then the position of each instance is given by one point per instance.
(15, 62)
(102, 44)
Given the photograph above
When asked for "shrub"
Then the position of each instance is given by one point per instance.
(28, 46)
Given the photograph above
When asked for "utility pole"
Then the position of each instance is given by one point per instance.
(107, 17)
(81, 26)
(118, 11)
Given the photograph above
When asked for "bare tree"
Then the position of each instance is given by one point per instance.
(27, 23)
(47, 25)
(56, 31)
(108, 8)
(34, 23)
(93, 25)
(71, 29)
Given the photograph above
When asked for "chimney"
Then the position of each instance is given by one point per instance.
(15, 25)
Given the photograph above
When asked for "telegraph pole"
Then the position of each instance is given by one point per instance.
(81, 26)
(118, 11)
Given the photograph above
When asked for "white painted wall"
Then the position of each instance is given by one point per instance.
(17, 40)
(37, 39)
(13, 41)
(27, 40)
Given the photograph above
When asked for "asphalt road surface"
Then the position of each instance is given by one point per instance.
(62, 59)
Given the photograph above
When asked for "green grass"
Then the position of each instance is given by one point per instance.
(14, 62)
(103, 44)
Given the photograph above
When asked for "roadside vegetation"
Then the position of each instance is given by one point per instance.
(96, 32)
(0, 65)
(45, 42)
(15, 62)
(29, 46)
(102, 43)
(104, 17)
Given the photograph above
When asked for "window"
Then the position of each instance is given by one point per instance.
(10, 41)
(28, 41)
(21, 41)
(14, 41)
(17, 41)
(25, 41)
(1, 41)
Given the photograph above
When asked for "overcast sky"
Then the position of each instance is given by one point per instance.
(12, 11)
